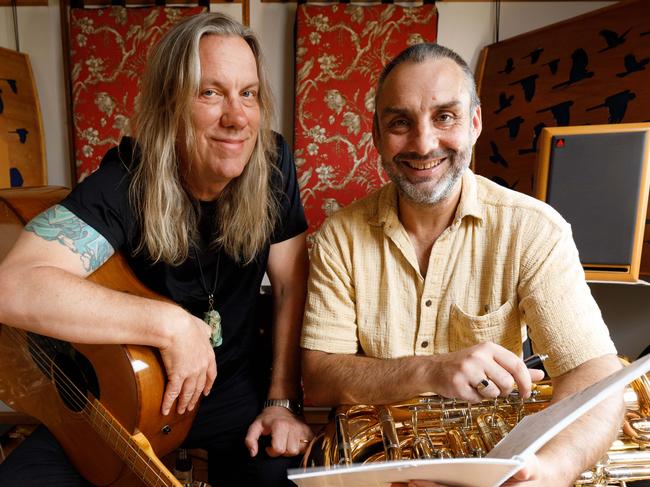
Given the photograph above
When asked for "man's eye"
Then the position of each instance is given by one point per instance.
(249, 94)
(208, 93)
(398, 123)
(445, 118)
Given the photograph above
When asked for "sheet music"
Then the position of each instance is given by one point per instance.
(531, 433)
(460, 472)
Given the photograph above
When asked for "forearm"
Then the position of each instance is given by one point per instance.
(287, 270)
(333, 379)
(287, 319)
(580, 445)
(56, 303)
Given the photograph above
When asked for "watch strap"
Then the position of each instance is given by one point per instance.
(294, 406)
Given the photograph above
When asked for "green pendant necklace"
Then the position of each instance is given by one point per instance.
(211, 316)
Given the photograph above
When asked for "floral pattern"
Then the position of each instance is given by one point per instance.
(340, 52)
(109, 48)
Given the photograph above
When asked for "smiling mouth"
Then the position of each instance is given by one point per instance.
(424, 165)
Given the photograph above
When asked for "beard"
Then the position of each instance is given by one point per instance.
(458, 162)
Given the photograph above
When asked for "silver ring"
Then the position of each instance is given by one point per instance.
(305, 441)
(482, 385)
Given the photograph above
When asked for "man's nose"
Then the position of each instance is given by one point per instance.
(425, 139)
(234, 115)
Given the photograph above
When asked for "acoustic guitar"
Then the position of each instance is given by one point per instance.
(101, 402)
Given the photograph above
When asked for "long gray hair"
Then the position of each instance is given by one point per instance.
(247, 208)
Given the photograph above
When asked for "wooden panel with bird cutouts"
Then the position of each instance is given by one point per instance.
(592, 69)
(22, 147)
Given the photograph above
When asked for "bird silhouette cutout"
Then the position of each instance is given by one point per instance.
(22, 134)
(504, 102)
(2, 104)
(612, 38)
(502, 182)
(534, 55)
(12, 84)
(496, 156)
(537, 130)
(578, 70)
(632, 65)
(647, 33)
(509, 67)
(528, 85)
(561, 112)
(15, 177)
(617, 105)
(513, 126)
(553, 64)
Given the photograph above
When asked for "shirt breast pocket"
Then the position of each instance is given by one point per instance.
(501, 327)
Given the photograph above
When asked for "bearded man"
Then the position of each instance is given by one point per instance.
(433, 283)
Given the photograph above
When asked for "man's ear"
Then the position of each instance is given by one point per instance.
(477, 124)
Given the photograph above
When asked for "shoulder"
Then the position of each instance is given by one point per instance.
(504, 203)
(352, 222)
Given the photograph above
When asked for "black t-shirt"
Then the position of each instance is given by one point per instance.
(102, 202)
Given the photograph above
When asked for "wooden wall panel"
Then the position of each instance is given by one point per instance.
(592, 69)
(20, 121)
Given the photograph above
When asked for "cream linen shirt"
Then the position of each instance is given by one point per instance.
(507, 262)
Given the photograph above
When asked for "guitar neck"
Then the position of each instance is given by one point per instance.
(134, 450)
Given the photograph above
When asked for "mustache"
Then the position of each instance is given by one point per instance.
(414, 156)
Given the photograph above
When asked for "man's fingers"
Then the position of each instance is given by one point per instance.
(516, 368)
(253, 436)
(186, 395)
(278, 441)
(211, 375)
(172, 391)
(536, 375)
(198, 390)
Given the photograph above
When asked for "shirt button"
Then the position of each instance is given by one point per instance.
(428, 302)
(424, 344)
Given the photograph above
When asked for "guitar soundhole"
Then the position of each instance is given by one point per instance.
(70, 371)
(70, 383)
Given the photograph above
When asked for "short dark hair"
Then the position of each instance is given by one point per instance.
(418, 53)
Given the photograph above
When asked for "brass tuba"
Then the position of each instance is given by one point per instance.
(435, 427)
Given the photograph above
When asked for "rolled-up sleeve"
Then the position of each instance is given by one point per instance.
(330, 323)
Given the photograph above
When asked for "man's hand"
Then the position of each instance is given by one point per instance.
(289, 433)
(190, 364)
(457, 374)
(528, 476)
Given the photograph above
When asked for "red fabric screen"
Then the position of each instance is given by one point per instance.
(109, 48)
(340, 51)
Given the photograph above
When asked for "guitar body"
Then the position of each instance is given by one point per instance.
(126, 381)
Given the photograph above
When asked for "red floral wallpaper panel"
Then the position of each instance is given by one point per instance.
(340, 51)
(109, 48)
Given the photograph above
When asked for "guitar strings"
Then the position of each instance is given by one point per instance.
(78, 398)
(73, 393)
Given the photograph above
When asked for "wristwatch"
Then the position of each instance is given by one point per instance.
(295, 406)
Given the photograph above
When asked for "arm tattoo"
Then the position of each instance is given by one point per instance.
(60, 224)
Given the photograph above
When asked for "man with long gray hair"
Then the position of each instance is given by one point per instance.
(202, 201)
(429, 284)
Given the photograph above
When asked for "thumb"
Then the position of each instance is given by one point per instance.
(252, 437)
(529, 470)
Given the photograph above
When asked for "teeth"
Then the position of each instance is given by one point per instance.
(428, 165)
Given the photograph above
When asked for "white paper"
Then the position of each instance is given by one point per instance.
(505, 459)
(533, 431)
(461, 472)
